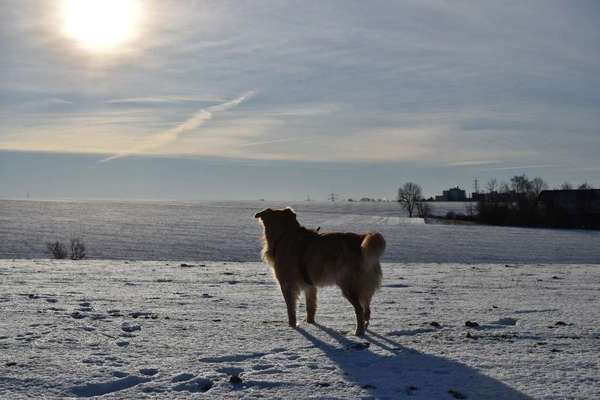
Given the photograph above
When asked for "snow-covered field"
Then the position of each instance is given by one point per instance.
(228, 231)
(148, 329)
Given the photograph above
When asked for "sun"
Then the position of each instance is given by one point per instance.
(101, 25)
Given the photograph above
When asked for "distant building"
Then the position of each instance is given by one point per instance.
(575, 208)
(453, 194)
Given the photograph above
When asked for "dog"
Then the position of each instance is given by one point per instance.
(304, 259)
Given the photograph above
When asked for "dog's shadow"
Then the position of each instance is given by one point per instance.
(394, 371)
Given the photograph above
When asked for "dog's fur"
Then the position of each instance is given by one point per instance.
(303, 259)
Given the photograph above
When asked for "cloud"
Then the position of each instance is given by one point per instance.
(249, 144)
(473, 163)
(430, 82)
(171, 135)
(524, 167)
(162, 100)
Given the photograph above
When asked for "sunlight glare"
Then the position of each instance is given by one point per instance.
(101, 25)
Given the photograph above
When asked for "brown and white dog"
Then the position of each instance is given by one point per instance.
(303, 259)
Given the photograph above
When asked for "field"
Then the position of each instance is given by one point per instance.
(160, 329)
(227, 231)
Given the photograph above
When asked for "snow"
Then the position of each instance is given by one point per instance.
(219, 329)
(228, 231)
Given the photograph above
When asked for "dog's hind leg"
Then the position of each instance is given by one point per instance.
(311, 303)
(291, 296)
(366, 303)
(354, 299)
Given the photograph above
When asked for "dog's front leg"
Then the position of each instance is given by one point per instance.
(290, 295)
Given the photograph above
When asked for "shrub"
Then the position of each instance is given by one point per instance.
(77, 249)
(57, 250)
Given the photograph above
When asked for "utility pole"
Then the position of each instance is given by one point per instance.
(476, 185)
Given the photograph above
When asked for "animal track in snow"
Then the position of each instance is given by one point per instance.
(233, 358)
(185, 376)
(102, 388)
(194, 386)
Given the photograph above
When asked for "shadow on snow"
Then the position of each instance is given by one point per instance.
(404, 372)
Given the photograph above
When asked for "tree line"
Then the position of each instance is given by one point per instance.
(514, 203)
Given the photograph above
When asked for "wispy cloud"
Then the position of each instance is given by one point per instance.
(362, 82)
(161, 100)
(473, 163)
(272, 141)
(170, 135)
(524, 167)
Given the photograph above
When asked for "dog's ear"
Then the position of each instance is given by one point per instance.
(290, 216)
(262, 213)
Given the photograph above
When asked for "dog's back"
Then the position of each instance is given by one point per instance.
(338, 258)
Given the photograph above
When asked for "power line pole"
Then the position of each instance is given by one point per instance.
(476, 185)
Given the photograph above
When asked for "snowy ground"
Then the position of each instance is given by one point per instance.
(159, 330)
(227, 231)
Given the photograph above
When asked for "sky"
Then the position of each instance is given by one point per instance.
(285, 99)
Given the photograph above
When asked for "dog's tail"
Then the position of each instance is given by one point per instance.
(372, 246)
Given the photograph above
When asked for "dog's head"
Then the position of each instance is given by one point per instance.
(277, 222)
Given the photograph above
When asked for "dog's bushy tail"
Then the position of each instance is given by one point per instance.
(372, 246)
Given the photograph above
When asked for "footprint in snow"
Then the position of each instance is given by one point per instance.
(194, 386)
(130, 327)
(505, 321)
(102, 388)
(230, 370)
(232, 358)
(149, 371)
(185, 376)
(396, 285)
(260, 367)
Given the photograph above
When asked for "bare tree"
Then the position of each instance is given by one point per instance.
(423, 209)
(504, 188)
(566, 186)
(77, 249)
(492, 185)
(57, 250)
(585, 186)
(537, 185)
(520, 184)
(409, 196)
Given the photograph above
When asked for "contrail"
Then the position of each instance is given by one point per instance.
(196, 120)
